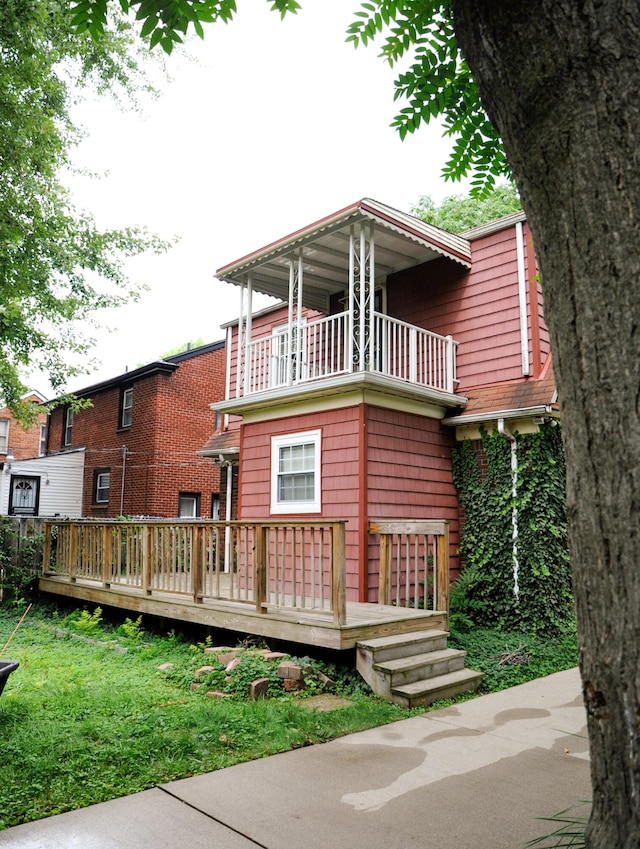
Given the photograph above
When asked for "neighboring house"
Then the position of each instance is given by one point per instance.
(17, 486)
(18, 443)
(140, 435)
(393, 339)
(44, 486)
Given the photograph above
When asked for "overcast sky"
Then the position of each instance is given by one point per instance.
(268, 127)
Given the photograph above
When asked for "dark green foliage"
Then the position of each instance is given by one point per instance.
(20, 560)
(484, 592)
(511, 657)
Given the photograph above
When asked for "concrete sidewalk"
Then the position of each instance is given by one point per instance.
(475, 776)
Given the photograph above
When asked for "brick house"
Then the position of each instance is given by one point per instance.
(140, 437)
(19, 492)
(16, 441)
(393, 339)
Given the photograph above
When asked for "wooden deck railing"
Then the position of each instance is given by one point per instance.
(414, 563)
(295, 565)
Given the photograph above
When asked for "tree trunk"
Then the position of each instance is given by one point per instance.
(560, 80)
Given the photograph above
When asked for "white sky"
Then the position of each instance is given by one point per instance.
(271, 125)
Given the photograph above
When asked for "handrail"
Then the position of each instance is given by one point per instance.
(398, 349)
(414, 563)
(290, 565)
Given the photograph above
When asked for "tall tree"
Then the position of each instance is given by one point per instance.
(558, 80)
(457, 213)
(56, 267)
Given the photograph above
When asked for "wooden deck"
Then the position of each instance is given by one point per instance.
(312, 628)
(279, 580)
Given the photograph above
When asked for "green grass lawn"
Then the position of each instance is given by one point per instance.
(82, 720)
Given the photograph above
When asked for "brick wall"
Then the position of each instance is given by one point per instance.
(156, 454)
(25, 444)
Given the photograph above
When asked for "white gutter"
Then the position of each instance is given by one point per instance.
(502, 430)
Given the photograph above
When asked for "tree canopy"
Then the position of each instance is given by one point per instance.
(458, 213)
(56, 266)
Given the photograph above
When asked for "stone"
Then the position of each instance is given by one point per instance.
(274, 655)
(216, 694)
(232, 665)
(203, 671)
(289, 669)
(165, 666)
(258, 689)
(293, 684)
(228, 655)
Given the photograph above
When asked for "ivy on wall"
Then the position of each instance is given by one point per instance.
(484, 593)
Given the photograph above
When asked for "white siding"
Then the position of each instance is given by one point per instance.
(61, 478)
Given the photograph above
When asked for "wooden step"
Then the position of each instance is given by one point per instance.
(416, 667)
(427, 691)
(404, 645)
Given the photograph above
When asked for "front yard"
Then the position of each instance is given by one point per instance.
(89, 715)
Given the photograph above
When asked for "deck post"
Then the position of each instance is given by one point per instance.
(384, 578)
(46, 549)
(338, 574)
(442, 570)
(146, 559)
(73, 554)
(260, 569)
(196, 563)
(107, 554)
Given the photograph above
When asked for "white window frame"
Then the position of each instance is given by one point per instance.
(4, 437)
(42, 447)
(67, 432)
(102, 487)
(309, 437)
(284, 352)
(126, 414)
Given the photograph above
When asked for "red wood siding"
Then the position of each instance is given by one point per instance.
(409, 475)
(339, 473)
(479, 308)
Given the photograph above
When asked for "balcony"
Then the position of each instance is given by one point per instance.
(337, 345)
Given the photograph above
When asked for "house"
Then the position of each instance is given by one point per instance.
(138, 439)
(392, 340)
(17, 486)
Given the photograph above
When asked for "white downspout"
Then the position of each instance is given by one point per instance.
(502, 430)
(227, 536)
(522, 299)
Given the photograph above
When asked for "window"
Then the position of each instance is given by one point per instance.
(4, 436)
(215, 506)
(42, 449)
(126, 407)
(101, 486)
(295, 473)
(67, 427)
(188, 505)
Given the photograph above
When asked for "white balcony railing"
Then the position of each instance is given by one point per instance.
(397, 350)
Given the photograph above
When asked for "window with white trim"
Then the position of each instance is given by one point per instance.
(126, 411)
(101, 486)
(67, 429)
(4, 436)
(295, 472)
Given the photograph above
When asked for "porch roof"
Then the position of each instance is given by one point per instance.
(401, 241)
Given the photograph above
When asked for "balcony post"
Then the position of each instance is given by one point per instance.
(450, 365)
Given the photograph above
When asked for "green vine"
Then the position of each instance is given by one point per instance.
(484, 593)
